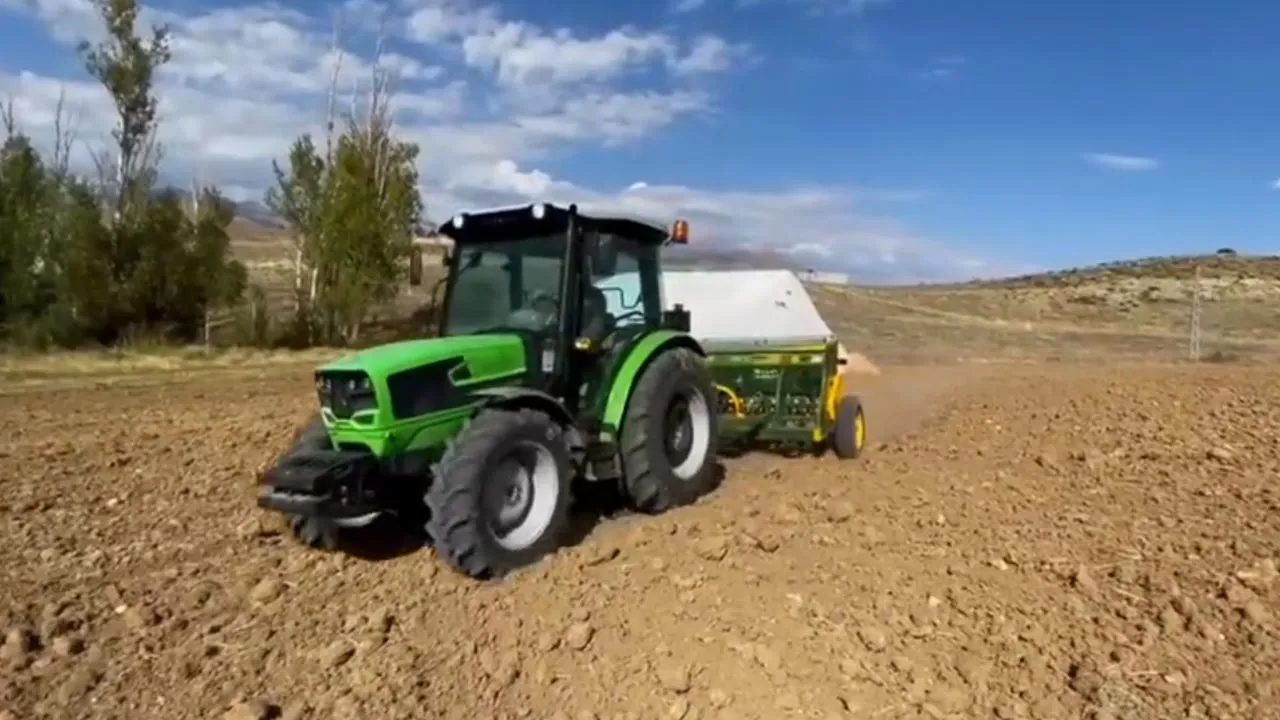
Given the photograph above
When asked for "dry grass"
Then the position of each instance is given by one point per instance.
(133, 366)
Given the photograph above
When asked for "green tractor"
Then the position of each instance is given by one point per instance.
(539, 378)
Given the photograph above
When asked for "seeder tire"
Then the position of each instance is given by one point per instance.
(471, 501)
(666, 466)
(849, 436)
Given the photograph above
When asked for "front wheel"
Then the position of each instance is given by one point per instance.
(499, 497)
(669, 433)
(318, 533)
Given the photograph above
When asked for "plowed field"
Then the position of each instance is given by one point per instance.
(1040, 542)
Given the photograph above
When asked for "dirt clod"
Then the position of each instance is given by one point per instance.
(873, 638)
(251, 710)
(66, 646)
(713, 548)
(578, 636)
(673, 676)
(336, 653)
(265, 591)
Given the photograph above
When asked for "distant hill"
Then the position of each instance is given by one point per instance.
(1142, 309)
(252, 211)
(256, 212)
(1222, 265)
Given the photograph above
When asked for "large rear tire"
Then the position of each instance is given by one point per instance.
(669, 433)
(499, 497)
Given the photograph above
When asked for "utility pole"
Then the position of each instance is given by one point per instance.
(1195, 317)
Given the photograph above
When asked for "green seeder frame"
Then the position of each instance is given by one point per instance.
(775, 395)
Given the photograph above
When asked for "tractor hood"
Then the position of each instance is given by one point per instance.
(484, 355)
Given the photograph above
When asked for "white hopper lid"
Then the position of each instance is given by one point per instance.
(732, 306)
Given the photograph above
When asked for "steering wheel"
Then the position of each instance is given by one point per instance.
(545, 298)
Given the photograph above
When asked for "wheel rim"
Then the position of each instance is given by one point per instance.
(522, 495)
(859, 430)
(687, 434)
(677, 435)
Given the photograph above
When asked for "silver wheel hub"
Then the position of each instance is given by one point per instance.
(523, 493)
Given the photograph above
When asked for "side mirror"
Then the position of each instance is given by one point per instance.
(415, 267)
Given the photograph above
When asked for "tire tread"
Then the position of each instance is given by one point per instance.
(454, 525)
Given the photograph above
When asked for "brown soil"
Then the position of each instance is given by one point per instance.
(1027, 542)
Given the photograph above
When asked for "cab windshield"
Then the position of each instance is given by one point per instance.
(505, 284)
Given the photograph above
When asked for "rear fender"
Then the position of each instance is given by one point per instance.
(628, 371)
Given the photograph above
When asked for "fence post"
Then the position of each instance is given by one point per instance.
(1194, 349)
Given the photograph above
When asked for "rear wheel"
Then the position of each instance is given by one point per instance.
(499, 497)
(668, 434)
(849, 436)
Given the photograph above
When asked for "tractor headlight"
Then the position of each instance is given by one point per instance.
(539, 211)
(346, 392)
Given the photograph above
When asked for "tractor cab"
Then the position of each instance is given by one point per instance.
(572, 286)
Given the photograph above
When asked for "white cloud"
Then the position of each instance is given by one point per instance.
(522, 54)
(684, 6)
(851, 7)
(488, 99)
(1126, 163)
(1275, 185)
(944, 66)
(709, 54)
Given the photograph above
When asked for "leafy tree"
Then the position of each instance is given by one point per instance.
(22, 210)
(354, 211)
(126, 67)
(82, 261)
(46, 215)
(164, 266)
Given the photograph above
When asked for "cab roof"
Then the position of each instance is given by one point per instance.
(522, 221)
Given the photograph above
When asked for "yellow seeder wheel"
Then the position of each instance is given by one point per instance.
(849, 436)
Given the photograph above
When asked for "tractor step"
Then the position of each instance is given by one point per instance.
(602, 459)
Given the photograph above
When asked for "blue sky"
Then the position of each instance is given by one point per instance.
(908, 139)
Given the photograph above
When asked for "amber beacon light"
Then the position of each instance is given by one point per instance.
(680, 232)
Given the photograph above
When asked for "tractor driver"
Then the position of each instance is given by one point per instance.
(540, 313)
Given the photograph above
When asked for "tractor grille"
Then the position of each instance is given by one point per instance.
(345, 392)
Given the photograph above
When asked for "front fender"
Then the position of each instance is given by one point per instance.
(516, 396)
(638, 357)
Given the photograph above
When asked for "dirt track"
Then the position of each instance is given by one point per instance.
(1047, 543)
